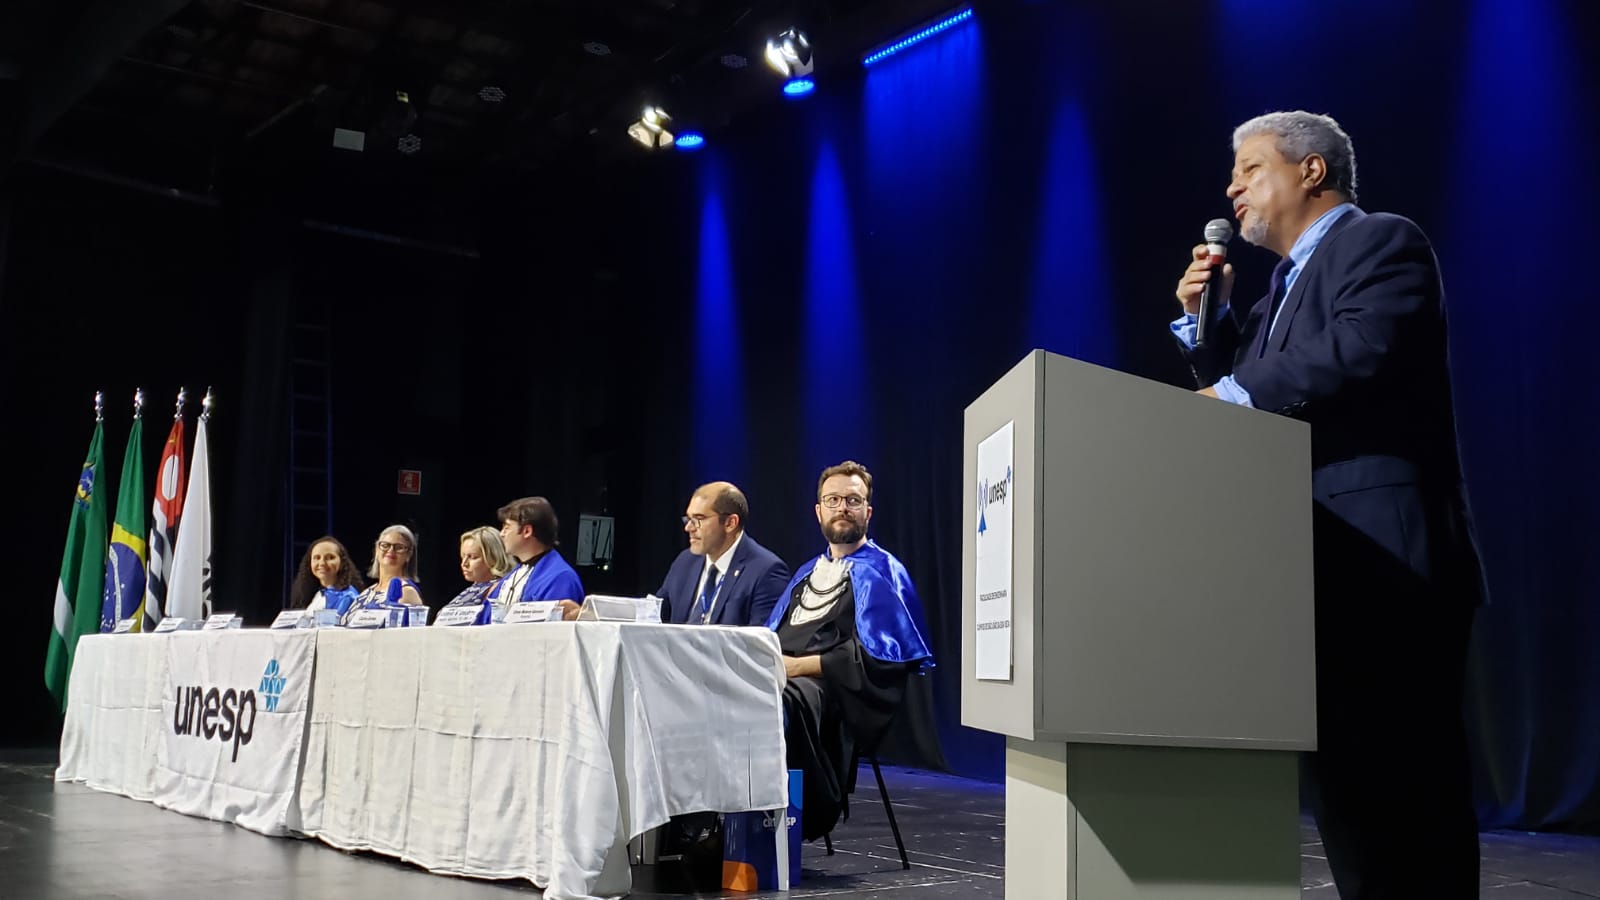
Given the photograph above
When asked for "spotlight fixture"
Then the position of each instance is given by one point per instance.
(734, 61)
(796, 88)
(595, 48)
(651, 129)
(409, 144)
(789, 54)
(691, 140)
(918, 35)
(491, 94)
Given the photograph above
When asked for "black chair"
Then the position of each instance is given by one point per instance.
(883, 793)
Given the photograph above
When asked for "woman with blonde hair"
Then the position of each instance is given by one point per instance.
(483, 560)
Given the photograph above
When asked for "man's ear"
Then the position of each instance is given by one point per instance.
(1313, 172)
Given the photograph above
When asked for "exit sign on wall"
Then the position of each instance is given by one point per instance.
(411, 482)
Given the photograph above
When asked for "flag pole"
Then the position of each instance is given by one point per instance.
(183, 397)
(138, 403)
(205, 411)
(99, 406)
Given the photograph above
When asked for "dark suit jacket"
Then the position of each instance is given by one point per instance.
(751, 586)
(1360, 353)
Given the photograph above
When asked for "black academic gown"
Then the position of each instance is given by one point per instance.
(827, 717)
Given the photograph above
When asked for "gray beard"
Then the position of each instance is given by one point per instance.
(1256, 233)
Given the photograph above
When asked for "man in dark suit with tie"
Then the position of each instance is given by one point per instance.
(1351, 338)
(724, 577)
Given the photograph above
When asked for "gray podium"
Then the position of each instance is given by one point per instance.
(1161, 657)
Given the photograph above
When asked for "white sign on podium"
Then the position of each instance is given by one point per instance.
(995, 486)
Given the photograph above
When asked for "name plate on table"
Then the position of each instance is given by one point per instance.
(222, 621)
(124, 626)
(289, 618)
(533, 611)
(464, 614)
(368, 618)
(175, 623)
(602, 608)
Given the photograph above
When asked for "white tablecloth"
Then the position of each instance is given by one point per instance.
(536, 751)
(208, 723)
(112, 731)
(529, 751)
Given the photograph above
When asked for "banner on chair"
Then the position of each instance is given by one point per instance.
(233, 725)
(750, 847)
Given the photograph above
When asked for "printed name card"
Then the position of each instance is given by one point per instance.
(289, 618)
(533, 611)
(465, 614)
(220, 621)
(170, 623)
(124, 626)
(368, 618)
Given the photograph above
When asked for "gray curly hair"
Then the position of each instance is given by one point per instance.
(1300, 134)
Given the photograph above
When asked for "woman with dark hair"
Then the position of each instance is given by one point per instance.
(328, 578)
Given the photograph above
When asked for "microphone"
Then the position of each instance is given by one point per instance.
(1218, 233)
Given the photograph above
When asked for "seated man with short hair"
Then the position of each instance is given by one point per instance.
(724, 577)
(852, 631)
(528, 529)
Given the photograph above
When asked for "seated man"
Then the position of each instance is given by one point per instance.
(528, 529)
(724, 577)
(852, 630)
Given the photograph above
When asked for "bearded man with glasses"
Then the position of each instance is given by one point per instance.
(852, 631)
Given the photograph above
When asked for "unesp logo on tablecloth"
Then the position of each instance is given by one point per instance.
(272, 685)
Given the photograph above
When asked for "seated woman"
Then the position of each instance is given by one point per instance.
(394, 566)
(483, 561)
(328, 578)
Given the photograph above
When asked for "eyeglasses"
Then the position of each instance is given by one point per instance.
(697, 522)
(387, 547)
(851, 501)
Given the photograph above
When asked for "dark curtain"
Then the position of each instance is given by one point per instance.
(881, 253)
(1031, 184)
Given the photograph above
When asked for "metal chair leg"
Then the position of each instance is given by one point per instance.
(827, 841)
(894, 826)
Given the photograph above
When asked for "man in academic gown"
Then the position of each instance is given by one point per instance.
(528, 529)
(852, 632)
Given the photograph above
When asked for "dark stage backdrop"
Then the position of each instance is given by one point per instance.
(839, 278)
(859, 266)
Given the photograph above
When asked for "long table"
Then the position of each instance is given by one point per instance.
(529, 751)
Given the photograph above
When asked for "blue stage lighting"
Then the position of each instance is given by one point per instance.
(691, 140)
(799, 87)
(917, 37)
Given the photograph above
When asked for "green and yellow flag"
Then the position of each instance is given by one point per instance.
(83, 566)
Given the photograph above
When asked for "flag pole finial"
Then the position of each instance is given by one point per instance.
(183, 397)
(99, 406)
(205, 406)
(138, 403)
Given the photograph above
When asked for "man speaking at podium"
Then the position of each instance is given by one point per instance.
(1351, 339)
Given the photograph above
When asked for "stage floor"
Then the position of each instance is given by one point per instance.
(66, 842)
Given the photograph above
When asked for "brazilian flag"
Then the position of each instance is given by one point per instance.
(125, 562)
